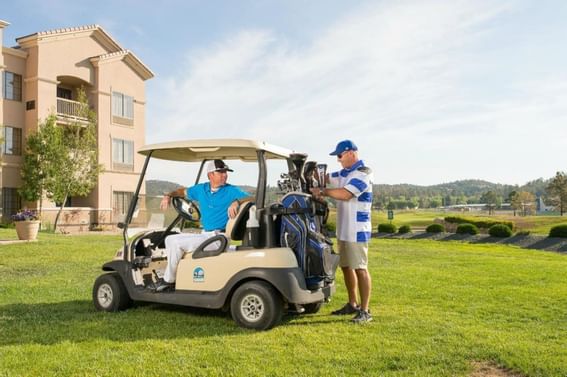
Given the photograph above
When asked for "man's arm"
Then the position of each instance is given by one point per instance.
(180, 192)
(335, 193)
(235, 206)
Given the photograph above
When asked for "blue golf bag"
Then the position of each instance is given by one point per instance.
(301, 231)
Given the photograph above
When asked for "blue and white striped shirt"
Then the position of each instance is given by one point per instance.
(353, 216)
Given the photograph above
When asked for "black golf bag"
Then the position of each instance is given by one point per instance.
(301, 231)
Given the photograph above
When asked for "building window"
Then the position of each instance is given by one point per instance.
(11, 202)
(12, 86)
(123, 154)
(121, 201)
(12, 144)
(122, 108)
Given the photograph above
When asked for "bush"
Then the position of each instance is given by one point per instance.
(478, 222)
(500, 230)
(387, 228)
(559, 231)
(435, 228)
(404, 229)
(467, 229)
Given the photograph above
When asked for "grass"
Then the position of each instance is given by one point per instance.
(438, 308)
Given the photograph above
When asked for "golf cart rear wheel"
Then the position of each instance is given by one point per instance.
(110, 294)
(312, 308)
(256, 305)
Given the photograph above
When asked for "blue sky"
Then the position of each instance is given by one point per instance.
(431, 91)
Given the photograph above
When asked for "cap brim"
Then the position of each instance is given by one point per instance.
(334, 153)
(230, 170)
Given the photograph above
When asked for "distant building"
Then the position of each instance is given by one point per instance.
(40, 76)
(541, 207)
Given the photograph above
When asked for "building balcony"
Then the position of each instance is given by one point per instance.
(70, 111)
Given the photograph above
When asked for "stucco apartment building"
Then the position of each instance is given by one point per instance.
(40, 76)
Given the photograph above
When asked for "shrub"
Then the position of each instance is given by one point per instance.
(467, 229)
(404, 229)
(559, 231)
(435, 228)
(478, 222)
(387, 228)
(500, 230)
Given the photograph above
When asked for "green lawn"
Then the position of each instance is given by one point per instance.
(438, 307)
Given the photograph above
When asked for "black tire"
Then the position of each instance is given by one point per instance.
(110, 294)
(312, 308)
(256, 305)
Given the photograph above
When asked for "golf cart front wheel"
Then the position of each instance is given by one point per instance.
(256, 305)
(110, 294)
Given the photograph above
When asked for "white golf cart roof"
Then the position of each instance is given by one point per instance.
(225, 149)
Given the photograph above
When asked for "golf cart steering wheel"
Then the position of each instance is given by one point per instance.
(186, 208)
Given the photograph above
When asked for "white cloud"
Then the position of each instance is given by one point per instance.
(393, 77)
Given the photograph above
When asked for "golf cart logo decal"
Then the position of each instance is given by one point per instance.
(198, 275)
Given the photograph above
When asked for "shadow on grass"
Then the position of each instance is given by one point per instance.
(78, 321)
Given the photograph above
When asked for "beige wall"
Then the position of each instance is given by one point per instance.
(87, 57)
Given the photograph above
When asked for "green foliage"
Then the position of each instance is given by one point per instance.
(62, 160)
(523, 233)
(467, 229)
(435, 228)
(557, 190)
(559, 231)
(404, 229)
(500, 230)
(478, 222)
(387, 228)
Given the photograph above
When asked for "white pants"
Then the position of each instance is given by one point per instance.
(178, 244)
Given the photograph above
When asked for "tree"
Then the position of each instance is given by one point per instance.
(62, 160)
(557, 190)
(523, 201)
(491, 200)
(42, 155)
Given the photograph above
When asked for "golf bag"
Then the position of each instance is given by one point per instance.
(301, 231)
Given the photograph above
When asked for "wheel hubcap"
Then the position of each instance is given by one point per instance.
(252, 308)
(105, 295)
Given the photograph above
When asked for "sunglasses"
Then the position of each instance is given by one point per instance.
(340, 155)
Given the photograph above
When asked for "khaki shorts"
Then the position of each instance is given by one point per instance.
(353, 254)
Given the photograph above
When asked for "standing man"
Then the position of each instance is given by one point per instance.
(353, 192)
(217, 200)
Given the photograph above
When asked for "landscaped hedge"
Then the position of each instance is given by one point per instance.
(479, 223)
(467, 229)
(559, 231)
(500, 230)
(435, 228)
(404, 229)
(387, 228)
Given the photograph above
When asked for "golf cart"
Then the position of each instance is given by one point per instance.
(272, 258)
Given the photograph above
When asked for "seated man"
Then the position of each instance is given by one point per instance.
(217, 200)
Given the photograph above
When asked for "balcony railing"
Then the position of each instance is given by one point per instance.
(70, 109)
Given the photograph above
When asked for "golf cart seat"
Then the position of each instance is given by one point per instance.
(236, 227)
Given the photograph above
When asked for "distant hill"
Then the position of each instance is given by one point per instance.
(407, 195)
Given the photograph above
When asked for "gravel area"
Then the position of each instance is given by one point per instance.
(527, 242)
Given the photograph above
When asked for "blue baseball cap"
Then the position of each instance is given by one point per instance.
(343, 146)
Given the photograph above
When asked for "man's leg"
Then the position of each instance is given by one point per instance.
(176, 246)
(365, 287)
(351, 285)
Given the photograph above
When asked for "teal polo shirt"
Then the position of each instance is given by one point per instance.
(214, 205)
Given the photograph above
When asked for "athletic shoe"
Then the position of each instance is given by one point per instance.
(362, 316)
(346, 309)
